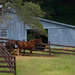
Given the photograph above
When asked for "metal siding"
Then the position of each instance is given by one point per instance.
(25, 35)
(47, 25)
(13, 28)
(22, 31)
(57, 33)
(16, 29)
(62, 36)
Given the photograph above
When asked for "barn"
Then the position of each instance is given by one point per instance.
(58, 33)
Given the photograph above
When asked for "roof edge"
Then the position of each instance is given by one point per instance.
(58, 23)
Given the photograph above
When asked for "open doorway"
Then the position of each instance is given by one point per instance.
(33, 35)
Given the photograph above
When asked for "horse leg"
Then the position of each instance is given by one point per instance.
(30, 52)
(24, 51)
(10, 50)
(18, 51)
(13, 50)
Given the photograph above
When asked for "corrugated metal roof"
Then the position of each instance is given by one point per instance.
(58, 23)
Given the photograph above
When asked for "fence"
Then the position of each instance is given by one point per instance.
(39, 50)
(63, 49)
(8, 59)
(51, 49)
(11, 64)
(55, 49)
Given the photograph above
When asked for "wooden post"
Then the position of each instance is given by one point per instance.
(24, 49)
(15, 66)
(49, 49)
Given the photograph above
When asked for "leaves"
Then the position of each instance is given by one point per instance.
(28, 13)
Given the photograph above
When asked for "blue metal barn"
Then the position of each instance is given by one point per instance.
(58, 33)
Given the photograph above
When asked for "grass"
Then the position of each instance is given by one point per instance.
(4, 69)
(62, 65)
(47, 53)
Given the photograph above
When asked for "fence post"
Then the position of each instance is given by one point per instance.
(49, 49)
(24, 49)
(15, 66)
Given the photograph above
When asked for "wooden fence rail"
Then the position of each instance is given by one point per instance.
(6, 39)
(12, 68)
(8, 59)
(51, 49)
(58, 49)
(62, 45)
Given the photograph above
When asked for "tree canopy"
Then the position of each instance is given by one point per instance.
(27, 12)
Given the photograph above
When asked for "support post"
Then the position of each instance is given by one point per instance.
(24, 49)
(15, 66)
(49, 49)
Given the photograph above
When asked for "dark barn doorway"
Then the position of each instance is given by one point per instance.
(31, 34)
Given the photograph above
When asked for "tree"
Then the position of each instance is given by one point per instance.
(27, 12)
(49, 6)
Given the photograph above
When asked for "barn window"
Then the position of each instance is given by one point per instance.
(3, 33)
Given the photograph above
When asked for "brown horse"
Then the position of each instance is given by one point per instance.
(11, 45)
(28, 45)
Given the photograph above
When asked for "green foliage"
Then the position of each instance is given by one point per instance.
(66, 14)
(46, 5)
(30, 37)
(58, 10)
(28, 13)
(4, 1)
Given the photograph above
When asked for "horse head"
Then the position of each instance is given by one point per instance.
(38, 41)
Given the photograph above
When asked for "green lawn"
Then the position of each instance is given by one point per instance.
(61, 65)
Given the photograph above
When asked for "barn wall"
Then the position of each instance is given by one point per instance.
(57, 33)
(60, 33)
(62, 36)
(16, 30)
